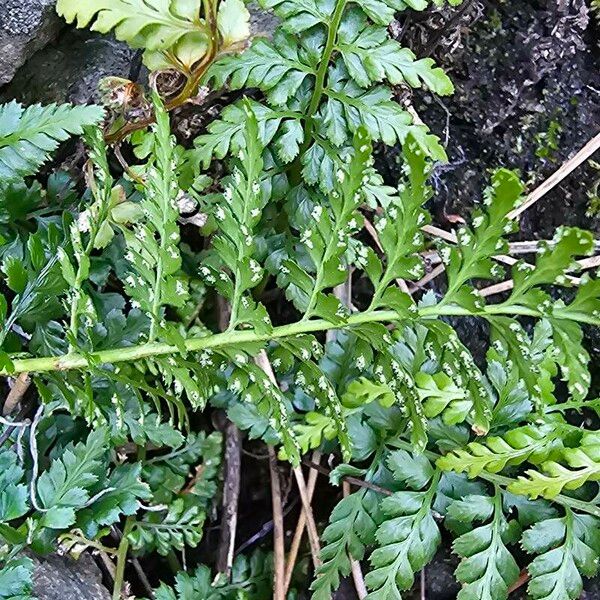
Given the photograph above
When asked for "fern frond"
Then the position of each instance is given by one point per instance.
(573, 468)
(29, 135)
(530, 443)
(153, 250)
(487, 568)
(568, 547)
(408, 539)
(351, 528)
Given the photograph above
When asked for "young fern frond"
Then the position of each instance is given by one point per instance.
(171, 33)
(529, 443)
(570, 470)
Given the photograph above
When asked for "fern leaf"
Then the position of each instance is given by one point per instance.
(275, 68)
(16, 579)
(472, 257)
(66, 486)
(237, 216)
(487, 568)
(153, 249)
(226, 135)
(529, 443)
(408, 539)
(351, 528)
(568, 547)
(181, 525)
(400, 228)
(577, 466)
(349, 107)
(29, 135)
(299, 15)
(370, 57)
(13, 492)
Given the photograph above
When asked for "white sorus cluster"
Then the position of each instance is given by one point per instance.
(305, 238)
(478, 221)
(256, 270)
(83, 221)
(381, 224)
(445, 254)
(208, 276)
(464, 237)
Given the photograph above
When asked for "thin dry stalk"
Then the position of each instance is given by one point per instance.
(561, 173)
(438, 270)
(233, 466)
(301, 525)
(357, 574)
(311, 526)
(231, 495)
(262, 360)
(18, 390)
(278, 533)
(504, 286)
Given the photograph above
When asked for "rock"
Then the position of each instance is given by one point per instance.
(262, 23)
(70, 69)
(63, 578)
(25, 27)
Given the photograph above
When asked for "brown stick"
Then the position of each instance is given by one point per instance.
(301, 525)
(262, 360)
(231, 495)
(565, 169)
(278, 533)
(523, 579)
(311, 526)
(18, 390)
(503, 286)
(349, 479)
(357, 575)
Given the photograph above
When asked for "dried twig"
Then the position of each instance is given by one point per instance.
(301, 525)
(278, 533)
(357, 575)
(504, 286)
(262, 361)
(523, 579)
(231, 495)
(18, 390)
(565, 169)
(349, 479)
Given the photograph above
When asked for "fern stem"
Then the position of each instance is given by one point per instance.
(317, 94)
(72, 361)
(122, 558)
